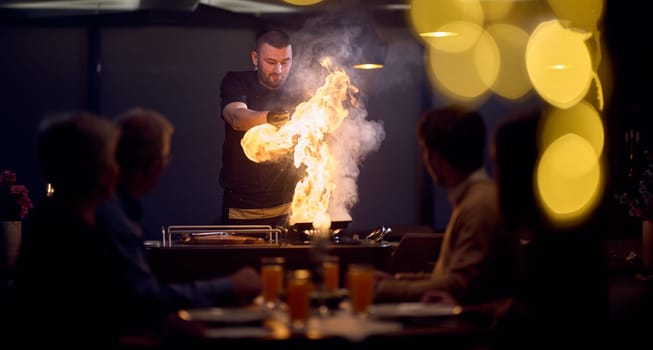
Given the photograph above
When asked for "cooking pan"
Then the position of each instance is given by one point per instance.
(335, 225)
(301, 232)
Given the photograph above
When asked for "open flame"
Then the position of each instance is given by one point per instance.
(311, 136)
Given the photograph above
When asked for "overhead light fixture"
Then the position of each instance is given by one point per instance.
(347, 37)
(370, 50)
(97, 6)
(250, 6)
(303, 2)
(371, 56)
(437, 34)
(367, 66)
(125, 5)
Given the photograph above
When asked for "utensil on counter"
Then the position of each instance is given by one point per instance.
(378, 234)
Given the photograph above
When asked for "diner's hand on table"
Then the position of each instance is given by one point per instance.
(247, 284)
(411, 276)
(489, 312)
(493, 311)
(438, 296)
(382, 275)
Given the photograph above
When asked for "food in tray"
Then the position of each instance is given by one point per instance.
(220, 238)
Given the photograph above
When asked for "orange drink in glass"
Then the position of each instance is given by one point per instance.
(331, 274)
(272, 279)
(360, 282)
(298, 297)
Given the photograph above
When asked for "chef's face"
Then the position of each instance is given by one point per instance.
(273, 64)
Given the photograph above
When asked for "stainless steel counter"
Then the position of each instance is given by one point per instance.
(185, 262)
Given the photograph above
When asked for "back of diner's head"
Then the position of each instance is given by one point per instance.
(146, 139)
(515, 153)
(273, 37)
(456, 134)
(77, 154)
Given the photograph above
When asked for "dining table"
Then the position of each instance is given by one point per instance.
(445, 326)
(332, 323)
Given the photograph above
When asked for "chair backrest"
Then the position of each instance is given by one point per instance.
(399, 230)
(417, 252)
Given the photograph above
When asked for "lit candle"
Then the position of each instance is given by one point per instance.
(49, 190)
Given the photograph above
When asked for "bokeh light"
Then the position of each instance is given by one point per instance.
(569, 180)
(558, 64)
(466, 75)
(512, 82)
(457, 36)
(579, 14)
(303, 2)
(581, 119)
(496, 10)
(428, 17)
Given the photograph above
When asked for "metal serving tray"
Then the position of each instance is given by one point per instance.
(220, 234)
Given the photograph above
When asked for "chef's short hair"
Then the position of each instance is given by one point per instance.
(276, 38)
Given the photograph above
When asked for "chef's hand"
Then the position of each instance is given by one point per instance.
(278, 117)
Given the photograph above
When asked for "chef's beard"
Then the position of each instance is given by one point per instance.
(273, 81)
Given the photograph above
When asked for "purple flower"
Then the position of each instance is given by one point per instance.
(14, 199)
(639, 198)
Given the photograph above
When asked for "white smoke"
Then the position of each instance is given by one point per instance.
(350, 144)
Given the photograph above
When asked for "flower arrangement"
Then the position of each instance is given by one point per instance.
(14, 199)
(638, 198)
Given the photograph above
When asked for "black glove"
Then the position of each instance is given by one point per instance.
(278, 117)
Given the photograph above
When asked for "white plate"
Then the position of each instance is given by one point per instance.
(223, 315)
(237, 332)
(411, 310)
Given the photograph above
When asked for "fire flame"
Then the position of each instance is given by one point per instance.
(308, 136)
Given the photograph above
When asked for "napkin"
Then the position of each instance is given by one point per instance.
(356, 329)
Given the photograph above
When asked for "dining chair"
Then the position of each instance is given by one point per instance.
(416, 252)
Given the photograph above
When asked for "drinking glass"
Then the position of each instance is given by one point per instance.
(298, 297)
(272, 270)
(360, 282)
(331, 267)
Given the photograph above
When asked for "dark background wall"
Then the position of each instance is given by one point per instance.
(175, 67)
(176, 70)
